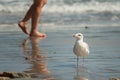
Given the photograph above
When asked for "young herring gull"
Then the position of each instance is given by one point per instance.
(81, 48)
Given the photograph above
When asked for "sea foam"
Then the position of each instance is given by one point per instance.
(60, 6)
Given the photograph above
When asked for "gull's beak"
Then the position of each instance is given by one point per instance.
(73, 35)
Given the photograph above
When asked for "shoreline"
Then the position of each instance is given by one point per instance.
(57, 48)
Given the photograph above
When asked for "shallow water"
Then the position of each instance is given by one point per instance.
(53, 57)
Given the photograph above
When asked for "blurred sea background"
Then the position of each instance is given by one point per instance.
(65, 12)
(61, 19)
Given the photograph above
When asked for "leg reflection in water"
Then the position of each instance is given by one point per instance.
(34, 55)
(81, 72)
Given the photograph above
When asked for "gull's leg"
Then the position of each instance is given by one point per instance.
(83, 61)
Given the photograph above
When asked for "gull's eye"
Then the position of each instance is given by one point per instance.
(79, 35)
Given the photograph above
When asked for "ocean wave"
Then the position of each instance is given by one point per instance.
(63, 7)
(84, 7)
(79, 9)
(87, 12)
(12, 6)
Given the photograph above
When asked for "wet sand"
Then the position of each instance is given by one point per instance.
(53, 58)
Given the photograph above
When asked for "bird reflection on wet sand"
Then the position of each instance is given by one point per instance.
(33, 55)
(81, 72)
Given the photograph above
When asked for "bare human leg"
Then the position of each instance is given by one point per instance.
(34, 13)
(23, 26)
(23, 23)
(38, 4)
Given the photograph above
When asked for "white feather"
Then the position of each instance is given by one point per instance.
(81, 48)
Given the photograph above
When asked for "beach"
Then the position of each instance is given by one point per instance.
(53, 58)
(60, 62)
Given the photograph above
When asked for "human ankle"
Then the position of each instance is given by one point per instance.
(37, 34)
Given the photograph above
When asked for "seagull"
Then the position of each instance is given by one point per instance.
(81, 48)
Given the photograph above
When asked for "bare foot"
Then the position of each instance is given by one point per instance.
(38, 34)
(22, 25)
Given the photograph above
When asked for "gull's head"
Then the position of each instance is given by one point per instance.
(78, 36)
